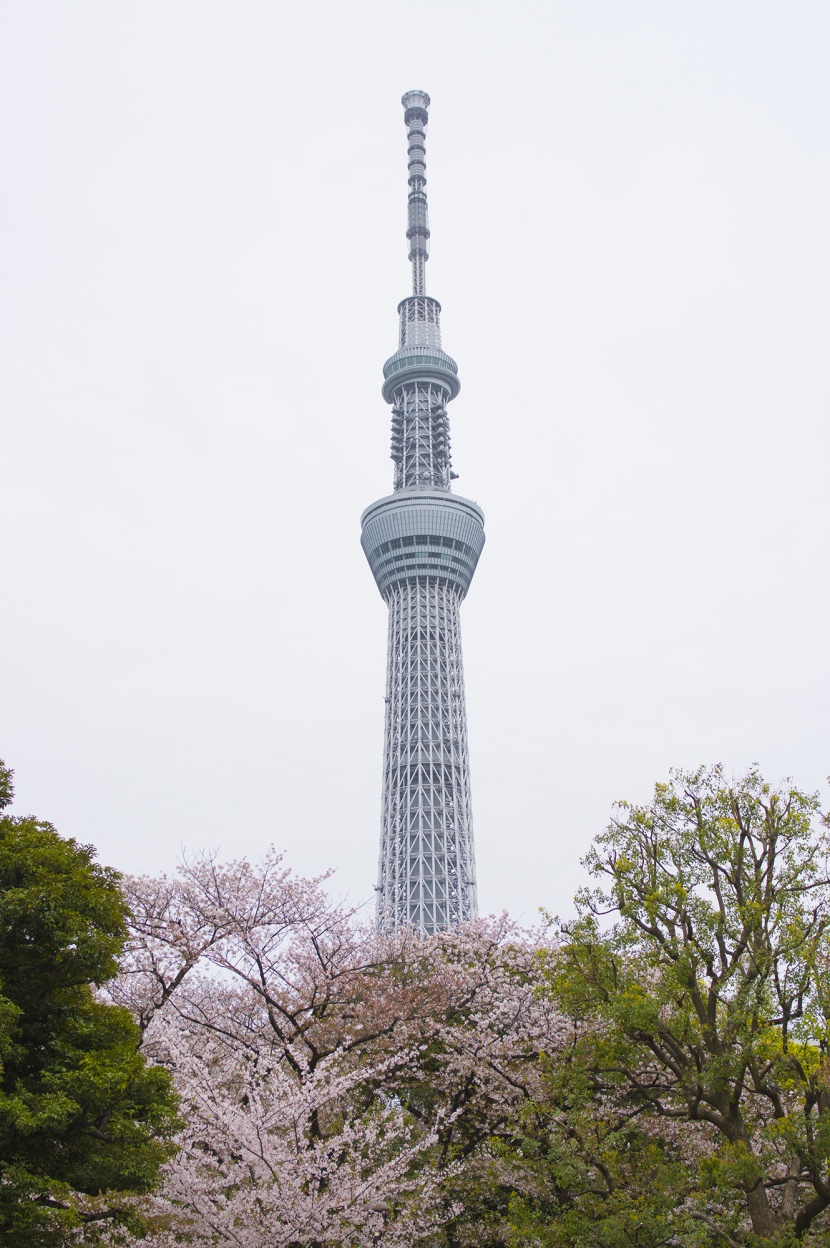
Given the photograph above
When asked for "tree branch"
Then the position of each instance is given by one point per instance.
(717, 1230)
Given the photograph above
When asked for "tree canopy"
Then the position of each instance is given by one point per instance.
(700, 1019)
(655, 1075)
(340, 1085)
(85, 1122)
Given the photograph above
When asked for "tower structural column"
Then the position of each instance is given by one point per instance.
(423, 543)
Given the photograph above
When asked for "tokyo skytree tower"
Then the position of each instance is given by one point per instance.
(423, 544)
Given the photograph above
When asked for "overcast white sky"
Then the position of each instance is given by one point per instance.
(202, 237)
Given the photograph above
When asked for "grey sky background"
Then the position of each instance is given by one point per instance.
(202, 248)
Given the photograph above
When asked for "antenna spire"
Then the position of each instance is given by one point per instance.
(416, 116)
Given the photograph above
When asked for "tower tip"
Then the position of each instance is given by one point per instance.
(415, 99)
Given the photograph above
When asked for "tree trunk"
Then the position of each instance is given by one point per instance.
(764, 1220)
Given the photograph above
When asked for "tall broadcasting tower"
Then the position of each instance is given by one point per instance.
(423, 544)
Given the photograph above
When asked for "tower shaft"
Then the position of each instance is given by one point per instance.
(425, 874)
(423, 543)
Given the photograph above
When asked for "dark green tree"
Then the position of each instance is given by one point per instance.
(85, 1122)
(693, 1105)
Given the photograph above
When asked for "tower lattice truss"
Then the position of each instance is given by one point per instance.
(423, 544)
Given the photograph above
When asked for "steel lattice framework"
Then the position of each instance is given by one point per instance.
(423, 544)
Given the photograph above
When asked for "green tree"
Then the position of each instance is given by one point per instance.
(584, 1171)
(85, 1123)
(700, 1025)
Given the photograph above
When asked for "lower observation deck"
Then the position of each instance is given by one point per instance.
(422, 533)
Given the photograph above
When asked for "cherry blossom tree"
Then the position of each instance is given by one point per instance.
(339, 1085)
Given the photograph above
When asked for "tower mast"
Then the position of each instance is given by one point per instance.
(416, 117)
(423, 543)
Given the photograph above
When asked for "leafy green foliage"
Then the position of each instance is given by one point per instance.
(702, 1014)
(81, 1113)
(588, 1172)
